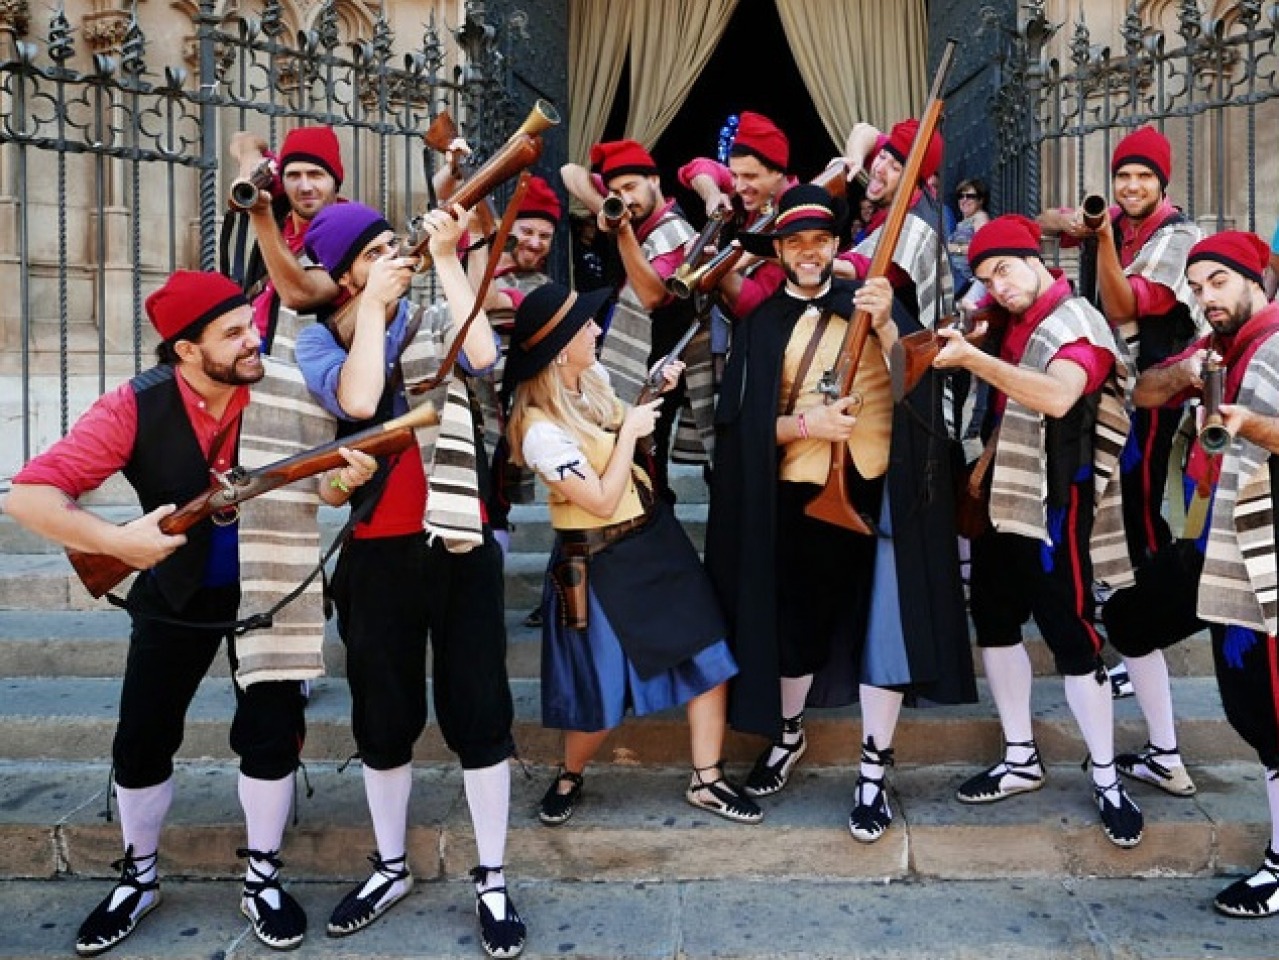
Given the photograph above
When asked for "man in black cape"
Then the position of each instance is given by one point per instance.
(820, 615)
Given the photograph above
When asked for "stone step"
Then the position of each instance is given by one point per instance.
(1092, 919)
(92, 643)
(634, 825)
(74, 719)
(32, 584)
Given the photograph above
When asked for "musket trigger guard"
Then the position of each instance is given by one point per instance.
(228, 515)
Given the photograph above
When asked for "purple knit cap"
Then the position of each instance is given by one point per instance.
(339, 232)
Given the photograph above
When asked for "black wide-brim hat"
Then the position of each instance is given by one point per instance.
(545, 322)
(804, 206)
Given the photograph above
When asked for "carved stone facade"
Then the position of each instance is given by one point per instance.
(1224, 169)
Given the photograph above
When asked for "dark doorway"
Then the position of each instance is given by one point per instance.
(751, 69)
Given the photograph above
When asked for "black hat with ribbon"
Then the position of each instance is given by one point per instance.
(805, 206)
(545, 322)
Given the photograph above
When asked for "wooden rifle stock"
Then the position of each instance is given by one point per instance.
(102, 572)
(520, 151)
(438, 136)
(911, 356)
(832, 505)
(834, 179)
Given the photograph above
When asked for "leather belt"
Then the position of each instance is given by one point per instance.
(585, 543)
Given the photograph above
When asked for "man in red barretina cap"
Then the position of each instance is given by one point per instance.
(1133, 270)
(309, 173)
(754, 179)
(165, 430)
(923, 288)
(648, 320)
(1058, 386)
(1220, 572)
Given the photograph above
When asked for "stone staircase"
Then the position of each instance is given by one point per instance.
(637, 872)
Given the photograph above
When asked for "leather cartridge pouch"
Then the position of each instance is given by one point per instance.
(569, 574)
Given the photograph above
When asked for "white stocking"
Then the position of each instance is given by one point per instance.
(1010, 676)
(1272, 794)
(1149, 676)
(388, 792)
(880, 710)
(1094, 708)
(794, 694)
(488, 794)
(142, 813)
(266, 806)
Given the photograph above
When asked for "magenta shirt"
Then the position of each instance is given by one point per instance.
(101, 441)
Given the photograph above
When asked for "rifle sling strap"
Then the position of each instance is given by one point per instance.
(806, 361)
(264, 620)
(509, 216)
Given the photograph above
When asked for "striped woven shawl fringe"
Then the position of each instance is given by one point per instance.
(448, 449)
(279, 534)
(916, 253)
(1019, 486)
(695, 426)
(1238, 585)
(1163, 260)
(629, 341)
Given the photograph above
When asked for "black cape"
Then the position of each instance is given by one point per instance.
(741, 533)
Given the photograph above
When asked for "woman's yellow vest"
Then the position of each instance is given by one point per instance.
(566, 515)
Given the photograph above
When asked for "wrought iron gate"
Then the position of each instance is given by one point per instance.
(129, 158)
(1211, 86)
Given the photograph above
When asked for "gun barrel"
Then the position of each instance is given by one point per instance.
(1213, 435)
(614, 209)
(1093, 210)
(244, 191)
(244, 195)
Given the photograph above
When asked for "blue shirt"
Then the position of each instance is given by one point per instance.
(320, 358)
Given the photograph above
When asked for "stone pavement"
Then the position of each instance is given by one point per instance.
(1071, 919)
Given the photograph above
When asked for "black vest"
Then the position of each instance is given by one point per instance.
(168, 466)
(1068, 442)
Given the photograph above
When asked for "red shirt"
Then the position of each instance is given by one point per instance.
(101, 441)
(1097, 362)
(1153, 299)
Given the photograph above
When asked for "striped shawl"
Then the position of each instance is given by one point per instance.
(448, 449)
(486, 388)
(629, 341)
(695, 428)
(1238, 585)
(1163, 260)
(917, 254)
(1019, 487)
(279, 534)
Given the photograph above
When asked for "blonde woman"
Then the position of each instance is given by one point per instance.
(629, 617)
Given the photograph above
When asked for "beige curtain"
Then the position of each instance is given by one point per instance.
(671, 40)
(598, 34)
(860, 59)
